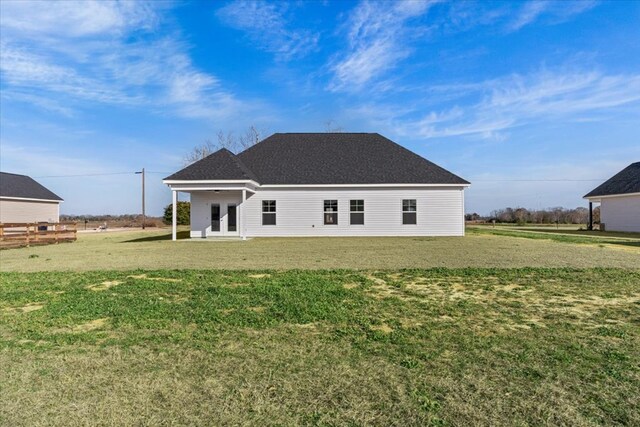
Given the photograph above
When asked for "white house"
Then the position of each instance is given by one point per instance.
(619, 199)
(23, 200)
(321, 184)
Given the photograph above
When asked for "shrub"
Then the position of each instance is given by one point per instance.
(184, 213)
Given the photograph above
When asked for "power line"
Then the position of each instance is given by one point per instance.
(86, 174)
(536, 180)
(97, 174)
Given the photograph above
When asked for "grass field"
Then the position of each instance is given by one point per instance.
(480, 248)
(413, 347)
(565, 229)
(133, 329)
(565, 236)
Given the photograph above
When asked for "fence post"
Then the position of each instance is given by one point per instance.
(27, 234)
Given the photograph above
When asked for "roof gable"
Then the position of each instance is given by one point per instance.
(624, 182)
(221, 165)
(24, 187)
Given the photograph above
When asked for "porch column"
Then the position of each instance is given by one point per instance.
(590, 215)
(174, 217)
(244, 199)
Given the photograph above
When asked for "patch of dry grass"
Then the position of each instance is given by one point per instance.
(480, 248)
(257, 379)
(33, 306)
(403, 347)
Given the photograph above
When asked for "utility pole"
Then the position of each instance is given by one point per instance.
(144, 217)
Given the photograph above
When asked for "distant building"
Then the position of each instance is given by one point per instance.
(23, 200)
(619, 199)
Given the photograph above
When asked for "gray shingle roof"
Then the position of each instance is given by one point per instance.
(324, 158)
(624, 182)
(221, 165)
(14, 185)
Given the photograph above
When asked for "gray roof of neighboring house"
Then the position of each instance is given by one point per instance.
(22, 186)
(624, 182)
(321, 158)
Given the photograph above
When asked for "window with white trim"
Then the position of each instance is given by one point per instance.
(330, 212)
(409, 211)
(268, 212)
(356, 214)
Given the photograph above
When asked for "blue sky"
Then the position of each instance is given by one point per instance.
(509, 95)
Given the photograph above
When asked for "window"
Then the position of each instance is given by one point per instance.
(330, 212)
(357, 212)
(409, 209)
(268, 212)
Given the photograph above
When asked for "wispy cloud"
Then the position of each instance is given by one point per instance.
(105, 52)
(267, 25)
(529, 12)
(77, 18)
(512, 101)
(380, 35)
(557, 11)
(24, 69)
(376, 35)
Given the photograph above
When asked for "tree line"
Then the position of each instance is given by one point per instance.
(556, 215)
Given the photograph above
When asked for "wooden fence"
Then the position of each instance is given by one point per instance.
(17, 235)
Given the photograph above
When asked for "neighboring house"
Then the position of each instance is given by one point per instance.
(321, 184)
(619, 199)
(23, 200)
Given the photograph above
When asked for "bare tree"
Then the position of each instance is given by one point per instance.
(331, 126)
(200, 152)
(250, 138)
(227, 140)
(560, 215)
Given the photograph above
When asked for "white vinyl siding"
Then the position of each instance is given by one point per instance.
(23, 211)
(301, 212)
(201, 212)
(621, 213)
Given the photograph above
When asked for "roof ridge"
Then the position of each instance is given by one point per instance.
(244, 168)
(418, 155)
(323, 133)
(16, 174)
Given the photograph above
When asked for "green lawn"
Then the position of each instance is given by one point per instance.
(480, 248)
(611, 239)
(569, 229)
(130, 328)
(403, 347)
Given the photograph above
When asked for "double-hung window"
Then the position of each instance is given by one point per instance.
(409, 211)
(268, 212)
(357, 212)
(330, 212)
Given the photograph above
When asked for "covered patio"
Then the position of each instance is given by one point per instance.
(217, 207)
